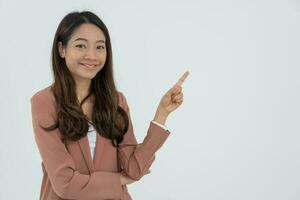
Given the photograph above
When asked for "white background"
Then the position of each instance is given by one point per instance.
(236, 136)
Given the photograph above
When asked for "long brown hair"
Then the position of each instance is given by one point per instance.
(109, 119)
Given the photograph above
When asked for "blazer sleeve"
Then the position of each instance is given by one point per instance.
(136, 158)
(67, 182)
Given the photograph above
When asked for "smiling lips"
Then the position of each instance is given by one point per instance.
(89, 66)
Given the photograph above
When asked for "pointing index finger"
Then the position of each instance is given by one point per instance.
(182, 78)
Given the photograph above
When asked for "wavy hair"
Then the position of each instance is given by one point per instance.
(109, 119)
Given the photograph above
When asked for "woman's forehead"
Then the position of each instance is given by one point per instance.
(88, 32)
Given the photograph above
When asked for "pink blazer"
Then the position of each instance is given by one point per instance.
(68, 169)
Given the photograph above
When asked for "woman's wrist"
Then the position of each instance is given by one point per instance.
(160, 117)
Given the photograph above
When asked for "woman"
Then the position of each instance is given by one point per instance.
(82, 124)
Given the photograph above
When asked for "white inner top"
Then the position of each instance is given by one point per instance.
(92, 135)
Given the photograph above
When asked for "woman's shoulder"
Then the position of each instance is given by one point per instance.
(122, 99)
(45, 95)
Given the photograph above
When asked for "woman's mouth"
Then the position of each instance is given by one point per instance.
(89, 66)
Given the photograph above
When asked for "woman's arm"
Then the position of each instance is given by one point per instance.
(135, 158)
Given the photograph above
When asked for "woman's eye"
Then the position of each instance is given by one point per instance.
(80, 46)
(100, 47)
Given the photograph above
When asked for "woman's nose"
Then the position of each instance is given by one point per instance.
(90, 54)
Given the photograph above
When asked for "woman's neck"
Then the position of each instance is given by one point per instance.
(82, 89)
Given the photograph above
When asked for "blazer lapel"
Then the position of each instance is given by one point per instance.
(86, 152)
(100, 145)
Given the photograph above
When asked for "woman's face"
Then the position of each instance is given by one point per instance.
(85, 53)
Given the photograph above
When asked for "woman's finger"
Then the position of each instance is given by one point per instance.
(178, 96)
(174, 90)
(182, 78)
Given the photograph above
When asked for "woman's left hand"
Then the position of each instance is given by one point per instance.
(172, 99)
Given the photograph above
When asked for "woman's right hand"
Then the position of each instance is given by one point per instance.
(126, 180)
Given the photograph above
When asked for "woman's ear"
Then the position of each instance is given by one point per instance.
(61, 50)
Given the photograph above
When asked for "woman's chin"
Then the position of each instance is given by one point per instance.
(84, 76)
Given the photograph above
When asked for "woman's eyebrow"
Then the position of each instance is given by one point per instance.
(87, 40)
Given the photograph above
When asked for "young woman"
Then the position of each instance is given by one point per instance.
(82, 123)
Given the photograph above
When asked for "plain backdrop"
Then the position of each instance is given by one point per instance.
(235, 137)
